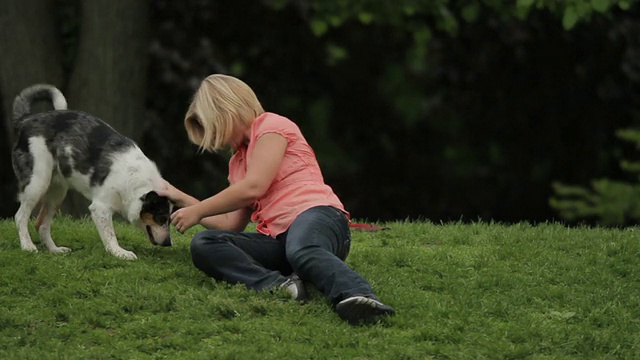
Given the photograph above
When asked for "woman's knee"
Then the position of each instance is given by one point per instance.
(206, 252)
(198, 242)
(203, 241)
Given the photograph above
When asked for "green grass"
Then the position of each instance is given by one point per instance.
(461, 291)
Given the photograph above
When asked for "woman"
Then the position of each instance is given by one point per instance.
(275, 181)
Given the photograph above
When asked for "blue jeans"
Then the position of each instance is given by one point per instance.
(314, 247)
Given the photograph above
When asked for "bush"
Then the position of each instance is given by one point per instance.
(608, 202)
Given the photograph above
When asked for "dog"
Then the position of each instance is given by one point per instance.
(65, 149)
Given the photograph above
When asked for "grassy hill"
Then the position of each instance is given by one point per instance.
(461, 291)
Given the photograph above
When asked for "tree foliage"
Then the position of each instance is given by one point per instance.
(433, 109)
(445, 15)
(608, 202)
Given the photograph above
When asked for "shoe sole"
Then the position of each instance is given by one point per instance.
(360, 309)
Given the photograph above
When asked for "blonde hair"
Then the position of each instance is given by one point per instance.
(220, 104)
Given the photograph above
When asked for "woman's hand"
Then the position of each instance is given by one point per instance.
(174, 194)
(185, 218)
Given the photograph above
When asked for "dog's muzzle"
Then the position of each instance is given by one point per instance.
(156, 233)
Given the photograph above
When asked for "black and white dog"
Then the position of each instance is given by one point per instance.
(61, 149)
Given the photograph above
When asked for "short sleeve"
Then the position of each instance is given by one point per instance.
(272, 123)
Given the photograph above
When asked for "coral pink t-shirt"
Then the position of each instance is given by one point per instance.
(298, 184)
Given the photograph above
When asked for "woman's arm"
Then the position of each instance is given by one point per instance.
(177, 196)
(233, 221)
(261, 170)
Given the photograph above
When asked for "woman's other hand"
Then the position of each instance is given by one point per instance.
(185, 218)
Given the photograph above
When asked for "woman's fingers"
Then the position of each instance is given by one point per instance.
(181, 220)
(175, 220)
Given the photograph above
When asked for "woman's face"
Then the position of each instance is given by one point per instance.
(240, 137)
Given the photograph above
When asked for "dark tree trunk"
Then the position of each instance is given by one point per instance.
(109, 77)
(30, 50)
(109, 73)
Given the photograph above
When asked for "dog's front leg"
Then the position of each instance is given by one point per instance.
(102, 216)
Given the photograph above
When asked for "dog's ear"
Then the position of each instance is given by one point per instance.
(153, 203)
(150, 196)
(153, 197)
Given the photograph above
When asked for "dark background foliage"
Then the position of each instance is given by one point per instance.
(408, 119)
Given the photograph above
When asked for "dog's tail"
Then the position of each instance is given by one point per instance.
(22, 102)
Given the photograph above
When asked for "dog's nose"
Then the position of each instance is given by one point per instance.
(166, 242)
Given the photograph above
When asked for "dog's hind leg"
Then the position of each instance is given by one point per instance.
(22, 223)
(102, 217)
(33, 191)
(50, 204)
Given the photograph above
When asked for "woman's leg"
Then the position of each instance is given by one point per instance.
(253, 259)
(317, 242)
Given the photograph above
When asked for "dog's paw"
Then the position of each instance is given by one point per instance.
(30, 248)
(124, 254)
(60, 250)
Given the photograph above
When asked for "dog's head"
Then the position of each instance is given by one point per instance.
(155, 217)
